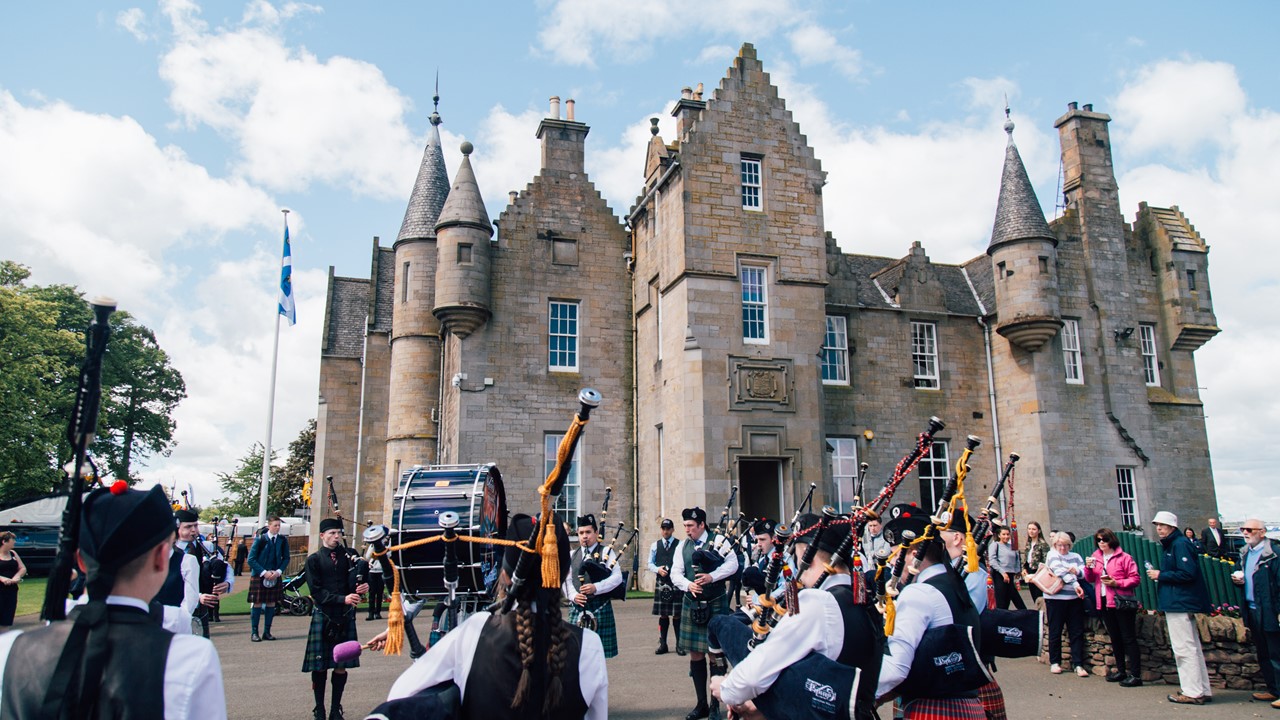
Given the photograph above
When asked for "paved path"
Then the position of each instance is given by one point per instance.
(264, 680)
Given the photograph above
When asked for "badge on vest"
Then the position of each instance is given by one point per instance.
(821, 696)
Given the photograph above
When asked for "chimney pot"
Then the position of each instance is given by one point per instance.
(1088, 107)
(568, 109)
(555, 107)
(511, 196)
(686, 93)
(1073, 105)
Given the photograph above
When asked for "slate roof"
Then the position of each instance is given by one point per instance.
(429, 191)
(983, 279)
(1182, 235)
(888, 272)
(384, 290)
(465, 205)
(1018, 213)
(348, 309)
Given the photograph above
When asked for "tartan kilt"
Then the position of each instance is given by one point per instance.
(319, 651)
(259, 594)
(670, 607)
(606, 626)
(944, 709)
(693, 637)
(992, 699)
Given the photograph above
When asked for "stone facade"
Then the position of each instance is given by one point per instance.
(850, 356)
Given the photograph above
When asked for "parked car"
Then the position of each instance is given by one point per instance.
(36, 544)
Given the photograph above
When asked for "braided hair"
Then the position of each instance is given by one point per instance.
(540, 628)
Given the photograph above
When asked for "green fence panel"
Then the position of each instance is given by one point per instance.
(1216, 573)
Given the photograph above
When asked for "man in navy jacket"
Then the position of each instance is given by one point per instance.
(1182, 592)
(268, 559)
(1260, 578)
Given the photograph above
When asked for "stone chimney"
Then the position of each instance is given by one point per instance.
(687, 109)
(562, 140)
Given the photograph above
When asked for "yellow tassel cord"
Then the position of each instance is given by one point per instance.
(958, 501)
(890, 614)
(395, 611)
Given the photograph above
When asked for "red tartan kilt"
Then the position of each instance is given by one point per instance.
(260, 595)
(944, 709)
(992, 699)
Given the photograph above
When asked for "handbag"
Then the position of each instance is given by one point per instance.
(1048, 583)
(1128, 602)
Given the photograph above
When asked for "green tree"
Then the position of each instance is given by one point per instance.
(242, 487)
(286, 491)
(42, 346)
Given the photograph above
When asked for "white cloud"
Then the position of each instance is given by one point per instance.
(715, 54)
(618, 170)
(1179, 105)
(95, 201)
(815, 45)
(133, 21)
(507, 155)
(295, 120)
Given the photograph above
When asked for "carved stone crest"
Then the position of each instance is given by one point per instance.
(762, 384)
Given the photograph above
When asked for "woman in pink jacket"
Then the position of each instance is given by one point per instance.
(1114, 575)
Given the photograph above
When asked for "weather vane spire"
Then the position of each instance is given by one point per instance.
(435, 99)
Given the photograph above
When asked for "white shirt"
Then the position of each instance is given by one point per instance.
(190, 581)
(192, 672)
(919, 607)
(819, 628)
(726, 569)
(603, 587)
(450, 659)
(175, 619)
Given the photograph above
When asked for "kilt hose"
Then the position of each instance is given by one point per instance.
(606, 626)
(992, 699)
(319, 650)
(693, 637)
(259, 595)
(944, 709)
(670, 606)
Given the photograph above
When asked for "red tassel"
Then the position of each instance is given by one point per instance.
(991, 593)
(858, 582)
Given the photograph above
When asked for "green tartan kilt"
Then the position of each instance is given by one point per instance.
(319, 651)
(606, 626)
(693, 637)
(668, 607)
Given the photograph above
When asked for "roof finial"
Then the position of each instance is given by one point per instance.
(435, 113)
(1008, 122)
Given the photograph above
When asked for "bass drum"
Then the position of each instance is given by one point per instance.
(476, 494)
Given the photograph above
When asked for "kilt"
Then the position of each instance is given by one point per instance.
(669, 607)
(992, 699)
(259, 594)
(944, 709)
(320, 651)
(693, 637)
(606, 626)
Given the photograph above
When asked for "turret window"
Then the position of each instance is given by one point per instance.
(1191, 280)
(750, 170)
(562, 336)
(1071, 352)
(464, 254)
(924, 355)
(1150, 363)
(404, 284)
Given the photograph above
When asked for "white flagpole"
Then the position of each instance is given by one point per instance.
(271, 409)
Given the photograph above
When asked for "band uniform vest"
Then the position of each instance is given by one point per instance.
(711, 591)
(132, 685)
(863, 647)
(171, 593)
(495, 673)
(665, 557)
(966, 673)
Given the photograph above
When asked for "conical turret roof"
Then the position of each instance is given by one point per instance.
(1018, 213)
(429, 191)
(464, 206)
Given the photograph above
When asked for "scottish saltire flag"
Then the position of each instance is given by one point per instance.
(286, 280)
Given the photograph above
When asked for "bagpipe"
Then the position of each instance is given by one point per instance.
(80, 434)
(213, 565)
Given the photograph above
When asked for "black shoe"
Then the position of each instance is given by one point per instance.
(680, 651)
(336, 713)
(1131, 681)
(698, 713)
(318, 713)
(662, 649)
(1115, 676)
(255, 637)
(713, 712)
(369, 619)
(268, 636)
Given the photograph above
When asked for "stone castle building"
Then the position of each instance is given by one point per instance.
(736, 344)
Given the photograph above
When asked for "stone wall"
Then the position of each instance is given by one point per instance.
(1228, 651)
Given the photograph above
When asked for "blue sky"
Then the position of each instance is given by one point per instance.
(145, 153)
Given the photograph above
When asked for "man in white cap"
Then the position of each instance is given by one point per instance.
(1182, 592)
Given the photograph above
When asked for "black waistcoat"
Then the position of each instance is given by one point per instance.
(330, 583)
(133, 678)
(665, 557)
(495, 673)
(863, 646)
(171, 593)
(960, 642)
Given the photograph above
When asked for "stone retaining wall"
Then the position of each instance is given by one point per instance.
(1228, 651)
